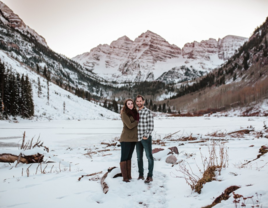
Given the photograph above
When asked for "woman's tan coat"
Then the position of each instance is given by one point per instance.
(130, 130)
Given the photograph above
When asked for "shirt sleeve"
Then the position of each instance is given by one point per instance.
(150, 124)
(126, 120)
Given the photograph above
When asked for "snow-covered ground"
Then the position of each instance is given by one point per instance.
(68, 141)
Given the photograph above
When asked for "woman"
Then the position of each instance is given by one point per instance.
(129, 137)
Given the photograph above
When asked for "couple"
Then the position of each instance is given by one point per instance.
(137, 130)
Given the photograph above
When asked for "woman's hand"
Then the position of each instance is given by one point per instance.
(145, 138)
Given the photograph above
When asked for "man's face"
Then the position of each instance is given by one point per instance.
(140, 102)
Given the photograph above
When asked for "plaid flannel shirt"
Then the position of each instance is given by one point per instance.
(146, 123)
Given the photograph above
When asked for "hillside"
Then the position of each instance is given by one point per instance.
(242, 81)
(62, 105)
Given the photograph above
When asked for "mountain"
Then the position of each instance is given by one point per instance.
(150, 57)
(25, 45)
(62, 105)
(241, 83)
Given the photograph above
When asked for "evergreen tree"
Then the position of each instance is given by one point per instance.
(39, 91)
(47, 92)
(164, 108)
(37, 69)
(45, 72)
(169, 110)
(154, 107)
(105, 104)
(115, 106)
(159, 108)
(234, 77)
(64, 107)
(146, 102)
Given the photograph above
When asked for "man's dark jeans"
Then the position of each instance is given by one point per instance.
(147, 146)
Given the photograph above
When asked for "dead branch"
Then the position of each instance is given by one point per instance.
(104, 185)
(23, 140)
(169, 136)
(28, 171)
(92, 174)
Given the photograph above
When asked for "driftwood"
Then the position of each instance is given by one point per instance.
(10, 158)
(92, 174)
(223, 196)
(104, 185)
(168, 136)
(244, 131)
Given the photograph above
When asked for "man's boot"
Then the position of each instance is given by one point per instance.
(123, 167)
(148, 179)
(129, 169)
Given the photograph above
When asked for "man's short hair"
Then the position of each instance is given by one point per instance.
(140, 96)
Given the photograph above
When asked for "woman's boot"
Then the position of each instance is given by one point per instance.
(129, 169)
(123, 167)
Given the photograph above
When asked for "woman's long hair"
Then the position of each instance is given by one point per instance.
(127, 110)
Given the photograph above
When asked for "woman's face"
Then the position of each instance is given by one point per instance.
(130, 104)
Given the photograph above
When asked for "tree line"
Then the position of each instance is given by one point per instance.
(16, 96)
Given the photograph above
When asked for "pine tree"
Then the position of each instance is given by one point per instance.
(151, 102)
(37, 69)
(159, 108)
(39, 90)
(154, 107)
(47, 92)
(45, 72)
(105, 104)
(234, 77)
(164, 108)
(115, 106)
(64, 107)
(169, 110)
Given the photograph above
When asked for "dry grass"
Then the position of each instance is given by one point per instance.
(214, 162)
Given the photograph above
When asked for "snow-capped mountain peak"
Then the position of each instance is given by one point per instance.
(150, 55)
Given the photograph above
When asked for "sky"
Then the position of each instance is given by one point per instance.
(72, 27)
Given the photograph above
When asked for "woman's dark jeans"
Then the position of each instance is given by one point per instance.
(147, 146)
(127, 149)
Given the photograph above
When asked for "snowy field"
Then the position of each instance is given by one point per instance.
(68, 141)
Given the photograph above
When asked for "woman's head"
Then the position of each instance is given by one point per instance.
(129, 106)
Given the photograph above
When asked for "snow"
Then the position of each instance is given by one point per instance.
(68, 141)
(75, 108)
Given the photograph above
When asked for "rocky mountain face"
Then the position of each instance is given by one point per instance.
(150, 55)
(223, 48)
(8, 17)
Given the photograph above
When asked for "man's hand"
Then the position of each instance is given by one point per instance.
(145, 138)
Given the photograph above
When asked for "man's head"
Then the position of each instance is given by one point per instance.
(140, 101)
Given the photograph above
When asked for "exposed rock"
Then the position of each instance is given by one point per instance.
(174, 150)
(171, 159)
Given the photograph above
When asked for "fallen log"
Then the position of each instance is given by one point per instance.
(92, 174)
(223, 196)
(105, 187)
(10, 158)
(244, 131)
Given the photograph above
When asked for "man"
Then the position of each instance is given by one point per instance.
(145, 128)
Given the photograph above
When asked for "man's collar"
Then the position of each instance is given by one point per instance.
(142, 108)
